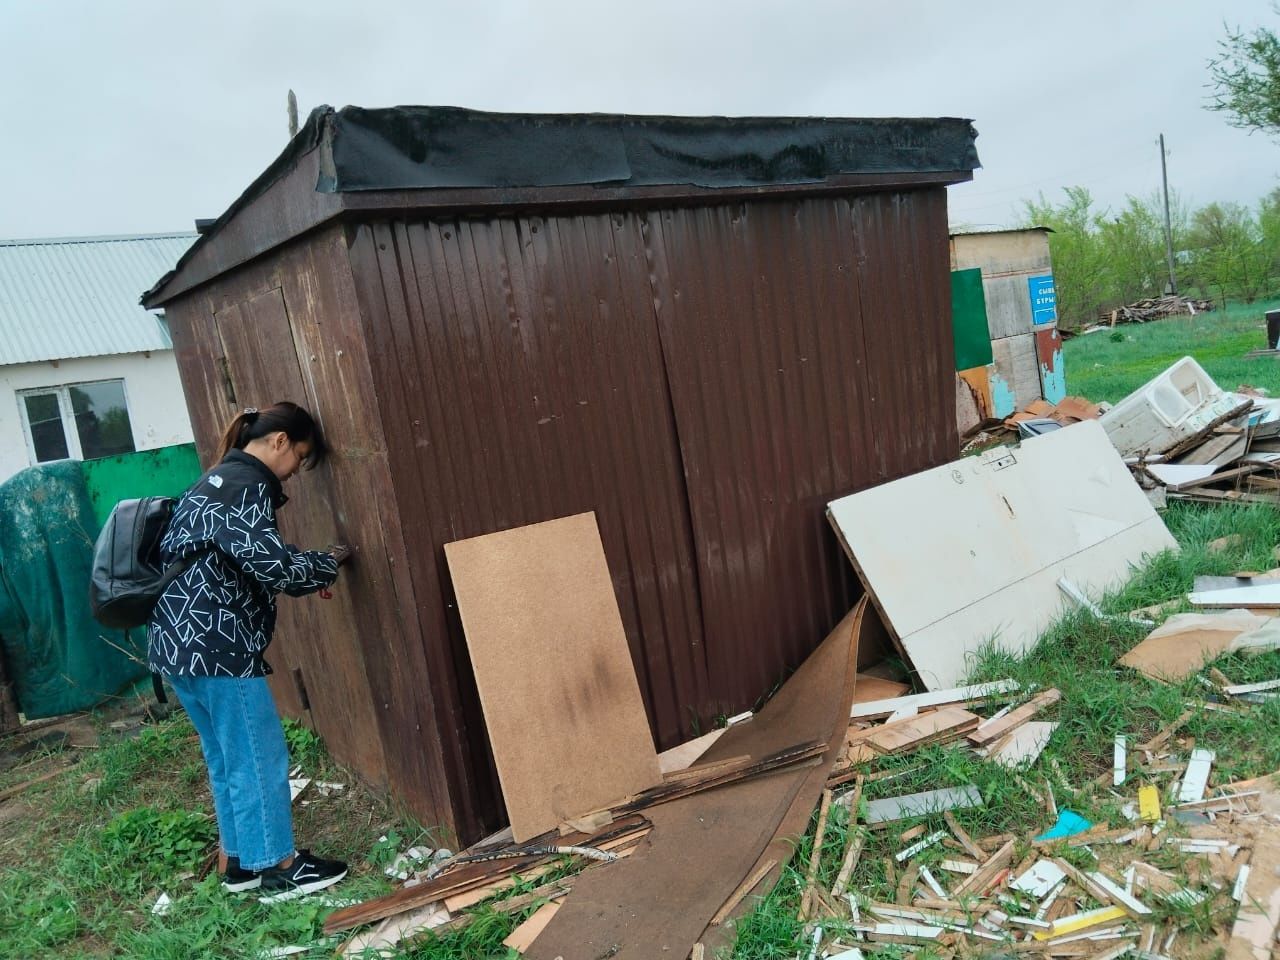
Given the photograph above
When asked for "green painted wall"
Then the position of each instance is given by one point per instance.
(164, 472)
(969, 320)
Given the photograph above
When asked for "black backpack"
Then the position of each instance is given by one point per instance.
(128, 578)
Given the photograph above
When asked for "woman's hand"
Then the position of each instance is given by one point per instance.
(340, 553)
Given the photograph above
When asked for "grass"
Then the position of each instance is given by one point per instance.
(1102, 368)
(1100, 700)
(84, 856)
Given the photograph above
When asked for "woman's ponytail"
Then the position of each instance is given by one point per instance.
(250, 424)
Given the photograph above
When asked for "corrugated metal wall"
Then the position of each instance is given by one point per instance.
(809, 351)
(704, 378)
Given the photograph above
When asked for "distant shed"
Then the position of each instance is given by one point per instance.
(700, 328)
(1018, 298)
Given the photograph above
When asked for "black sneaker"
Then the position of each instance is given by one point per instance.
(237, 880)
(306, 874)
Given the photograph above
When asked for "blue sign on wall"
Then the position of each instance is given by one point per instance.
(1044, 302)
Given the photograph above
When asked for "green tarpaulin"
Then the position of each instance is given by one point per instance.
(57, 657)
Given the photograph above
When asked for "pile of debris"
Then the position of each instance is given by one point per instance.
(1036, 419)
(1155, 308)
(1185, 438)
(1075, 889)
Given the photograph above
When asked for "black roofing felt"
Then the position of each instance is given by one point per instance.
(426, 148)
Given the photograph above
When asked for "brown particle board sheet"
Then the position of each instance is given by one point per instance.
(659, 901)
(555, 675)
(1185, 642)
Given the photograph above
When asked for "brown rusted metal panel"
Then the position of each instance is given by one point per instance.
(809, 354)
(521, 379)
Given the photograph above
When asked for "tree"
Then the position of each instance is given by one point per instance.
(1079, 262)
(1229, 252)
(1245, 79)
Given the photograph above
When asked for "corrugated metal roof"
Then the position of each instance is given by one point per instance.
(78, 296)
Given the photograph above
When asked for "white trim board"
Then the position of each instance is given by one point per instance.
(972, 551)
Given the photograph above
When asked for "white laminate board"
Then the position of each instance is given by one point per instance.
(972, 551)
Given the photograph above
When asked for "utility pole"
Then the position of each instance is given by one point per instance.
(1168, 229)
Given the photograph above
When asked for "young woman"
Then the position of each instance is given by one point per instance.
(211, 627)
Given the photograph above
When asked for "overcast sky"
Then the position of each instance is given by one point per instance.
(130, 116)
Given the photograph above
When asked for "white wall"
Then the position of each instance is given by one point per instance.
(153, 392)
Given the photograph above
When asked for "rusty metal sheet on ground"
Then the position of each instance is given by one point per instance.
(658, 902)
(556, 680)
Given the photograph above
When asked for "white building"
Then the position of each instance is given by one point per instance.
(85, 371)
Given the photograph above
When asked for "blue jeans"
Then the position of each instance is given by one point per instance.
(248, 762)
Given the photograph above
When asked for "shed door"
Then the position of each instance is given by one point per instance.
(260, 367)
(260, 361)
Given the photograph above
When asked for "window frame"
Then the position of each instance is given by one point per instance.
(66, 413)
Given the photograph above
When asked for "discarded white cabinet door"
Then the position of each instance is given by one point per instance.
(972, 551)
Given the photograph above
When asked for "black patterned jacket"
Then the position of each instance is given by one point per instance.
(217, 618)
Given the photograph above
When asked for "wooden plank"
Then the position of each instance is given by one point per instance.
(1233, 474)
(994, 729)
(560, 696)
(966, 841)
(522, 937)
(468, 875)
(976, 693)
(1022, 746)
(1196, 779)
(27, 785)
(982, 878)
(684, 754)
(869, 688)
(1005, 512)
(744, 888)
(703, 770)
(815, 855)
(923, 804)
(1265, 595)
(1236, 689)
(853, 850)
(901, 736)
(800, 755)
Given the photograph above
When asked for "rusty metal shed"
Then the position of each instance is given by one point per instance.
(702, 329)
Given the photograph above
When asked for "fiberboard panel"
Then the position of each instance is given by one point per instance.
(554, 671)
(973, 550)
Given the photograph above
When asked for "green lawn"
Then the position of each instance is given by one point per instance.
(1108, 365)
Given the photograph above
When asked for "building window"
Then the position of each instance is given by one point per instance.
(83, 421)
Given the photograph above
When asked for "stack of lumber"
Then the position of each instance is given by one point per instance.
(1152, 308)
